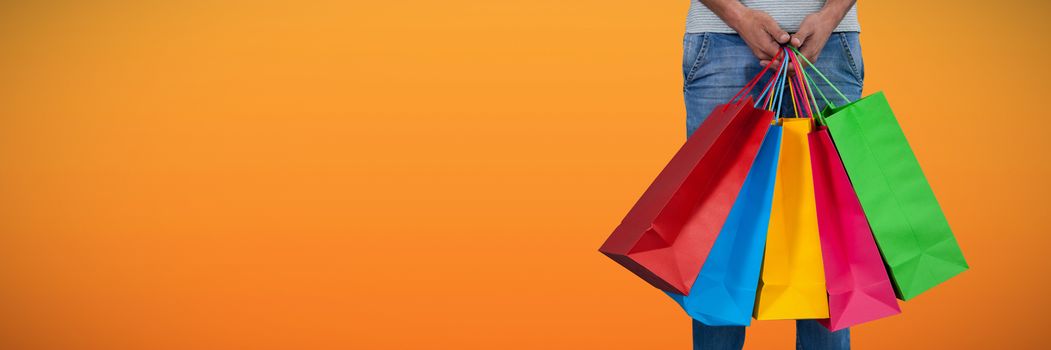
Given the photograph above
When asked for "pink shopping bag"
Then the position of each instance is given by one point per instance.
(859, 289)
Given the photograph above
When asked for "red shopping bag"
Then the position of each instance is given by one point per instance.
(666, 236)
(859, 289)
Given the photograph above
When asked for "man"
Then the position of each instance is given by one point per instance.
(727, 42)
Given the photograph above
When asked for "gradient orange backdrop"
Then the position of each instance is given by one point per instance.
(439, 174)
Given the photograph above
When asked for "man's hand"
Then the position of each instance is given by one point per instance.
(760, 31)
(818, 26)
(814, 32)
(811, 38)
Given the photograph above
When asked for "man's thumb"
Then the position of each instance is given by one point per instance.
(799, 38)
(777, 33)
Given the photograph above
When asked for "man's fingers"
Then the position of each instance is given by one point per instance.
(810, 53)
(766, 50)
(777, 33)
(813, 56)
(783, 37)
(770, 48)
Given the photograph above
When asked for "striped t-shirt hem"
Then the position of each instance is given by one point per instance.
(788, 13)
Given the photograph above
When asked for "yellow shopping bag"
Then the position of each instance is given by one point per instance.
(792, 281)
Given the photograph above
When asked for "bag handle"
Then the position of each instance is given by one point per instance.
(804, 97)
(778, 86)
(811, 86)
(823, 77)
(769, 87)
(804, 104)
(800, 99)
(751, 84)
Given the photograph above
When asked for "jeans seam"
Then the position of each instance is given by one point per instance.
(697, 61)
(850, 57)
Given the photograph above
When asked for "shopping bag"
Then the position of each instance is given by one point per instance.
(792, 281)
(859, 289)
(910, 229)
(666, 236)
(724, 292)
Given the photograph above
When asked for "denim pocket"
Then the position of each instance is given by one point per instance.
(852, 51)
(695, 47)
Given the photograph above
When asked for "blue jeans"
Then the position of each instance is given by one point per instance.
(715, 66)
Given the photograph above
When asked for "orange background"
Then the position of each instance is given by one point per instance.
(439, 174)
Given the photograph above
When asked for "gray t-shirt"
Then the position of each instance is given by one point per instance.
(788, 13)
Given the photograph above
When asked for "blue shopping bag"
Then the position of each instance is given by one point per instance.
(724, 292)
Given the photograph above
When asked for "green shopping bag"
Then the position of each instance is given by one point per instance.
(910, 229)
(907, 222)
